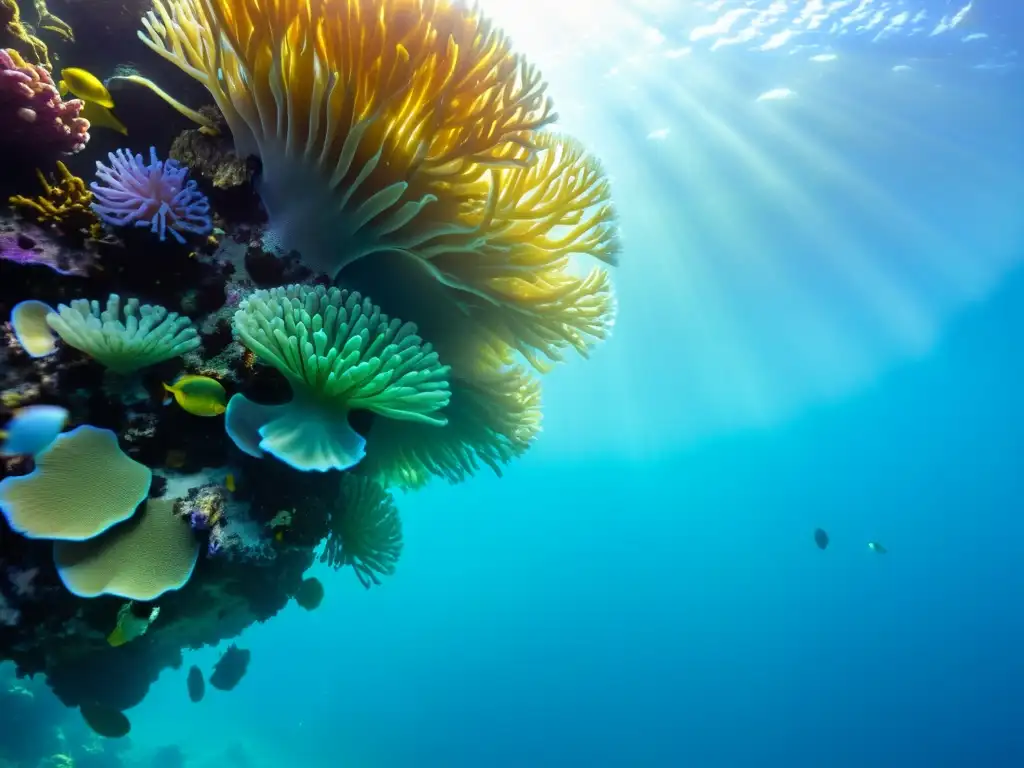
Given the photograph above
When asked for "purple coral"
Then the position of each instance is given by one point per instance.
(21, 248)
(154, 195)
(32, 114)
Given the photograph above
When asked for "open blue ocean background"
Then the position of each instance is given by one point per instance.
(820, 325)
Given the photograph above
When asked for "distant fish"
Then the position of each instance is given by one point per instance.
(106, 721)
(198, 395)
(820, 538)
(230, 668)
(196, 684)
(32, 429)
(229, 482)
(132, 621)
(874, 546)
(310, 594)
(175, 458)
(776, 94)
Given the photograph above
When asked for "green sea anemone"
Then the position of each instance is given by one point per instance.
(339, 353)
(366, 531)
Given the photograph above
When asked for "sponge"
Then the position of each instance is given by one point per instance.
(83, 484)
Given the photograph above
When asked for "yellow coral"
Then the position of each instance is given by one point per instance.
(53, 24)
(65, 202)
(14, 34)
(409, 127)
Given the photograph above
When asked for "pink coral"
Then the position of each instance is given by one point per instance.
(32, 114)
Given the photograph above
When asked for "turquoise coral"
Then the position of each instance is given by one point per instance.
(124, 337)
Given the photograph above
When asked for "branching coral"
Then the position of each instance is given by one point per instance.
(154, 195)
(366, 531)
(65, 201)
(409, 126)
(339, 353)
(33, 116)
(124, 338)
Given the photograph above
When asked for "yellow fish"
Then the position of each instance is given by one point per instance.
(98, 101)
(198, 395)
(85, 86)
(132, 622)
(229, 482)
(101, 117)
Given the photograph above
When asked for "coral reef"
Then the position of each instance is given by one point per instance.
(348, 281)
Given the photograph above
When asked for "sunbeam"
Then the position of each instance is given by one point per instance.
(808, 191)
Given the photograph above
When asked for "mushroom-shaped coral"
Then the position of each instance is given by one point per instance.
(410, 129)
(366, 531)
(339, 353)
(146, 335)
(141, 559)
(82, 485)
(154, 195)
(33, 117)
(493, 418)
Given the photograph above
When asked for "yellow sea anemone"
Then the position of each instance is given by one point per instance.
(409, 129)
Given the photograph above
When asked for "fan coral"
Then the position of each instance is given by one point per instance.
(154, 195)
(339, 353)
(411, 128)
(65, 201)
(146, 336)
(366, 531)
(33, 116)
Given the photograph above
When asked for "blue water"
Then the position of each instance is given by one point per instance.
(820, 304)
